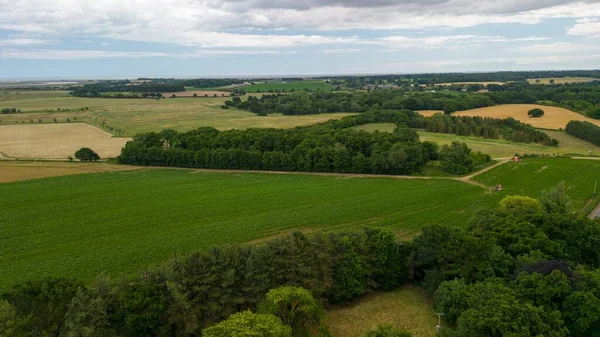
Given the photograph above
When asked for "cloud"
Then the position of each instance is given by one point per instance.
(52, 54)
(586, 27)
(445, 41)
(341, 51)
(22, 42)
(555, 48)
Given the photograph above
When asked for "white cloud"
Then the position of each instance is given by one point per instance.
(586, 27)
(446, 41)
(22, 42)
(52, 54)
(556, 48)
(341, 51)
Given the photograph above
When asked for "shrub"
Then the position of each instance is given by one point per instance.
(295, 306)
(535, 113)
(387, 331)
(86, 154)
(249, 324)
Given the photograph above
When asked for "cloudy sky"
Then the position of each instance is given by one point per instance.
(108, 38)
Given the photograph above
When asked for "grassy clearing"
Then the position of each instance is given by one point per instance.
(533, 175)
(118, 222)
(23, 170)
(296, 85)
(500, 148)
(143, 115)
(563, 80)
(405, 308)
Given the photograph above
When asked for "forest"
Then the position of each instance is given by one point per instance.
(584, 130)
(99, 89)
(526, 268)
(583, 98)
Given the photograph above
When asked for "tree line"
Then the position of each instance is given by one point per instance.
(10, 111)
(99, 89)
(584, 130)
(527, 268)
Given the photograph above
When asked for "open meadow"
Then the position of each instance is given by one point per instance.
(406, 308)
(131, 116)
(498, 148)
(554, 117)
(288, 85)
(56, 141)
(119, 222)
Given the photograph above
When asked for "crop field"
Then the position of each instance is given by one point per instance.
(296, 85)
(118, 222)
(56, 141)
(554, 117)
(498, 148)
(133, 116)
(199, 93)
(467, 83)
(533, 175)
(563, 80)
(406, 308)
(25, 170)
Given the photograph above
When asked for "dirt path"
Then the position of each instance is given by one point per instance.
(595, 213)
(587, 158)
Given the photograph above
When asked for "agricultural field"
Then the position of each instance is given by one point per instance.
(296, 85)
(498, 148)
(406, 308)
(533, 175)
(554, 118)
(26, 170)
(131, 116)
(56, 141)
(563, 80)
(119, 222)
(467, 83)
(198, 93)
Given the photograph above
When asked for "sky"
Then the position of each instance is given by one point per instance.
(218, 38)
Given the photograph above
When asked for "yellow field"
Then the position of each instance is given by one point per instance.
(56, 141)
(563, 80)
(18, 170)
(133, 116)
(554, 117)
(406, 309)
(429, 113)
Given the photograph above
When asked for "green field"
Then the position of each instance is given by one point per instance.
(532, 175)
(296, 85)
(142, 115)
(500, 148)
(118, 222)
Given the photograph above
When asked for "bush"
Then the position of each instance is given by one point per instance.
(295, 306)
(86, 154)
(248, 324)
(535, 113)
(387, 331)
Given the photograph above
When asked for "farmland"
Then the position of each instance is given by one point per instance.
(287, 86)
(56, 141)
(561, 80)
(498, 148)
(554, 117)
(132, 116)
(84, 224)
(170, 211)
(25, 170)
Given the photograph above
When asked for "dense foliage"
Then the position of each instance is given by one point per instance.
(248, 324)
(310, 149)
(387, 331)
(191, 293)
(584, 130)
(105, 88)
(535, 113)
(9, 111)
(507, 128)
(86, 154)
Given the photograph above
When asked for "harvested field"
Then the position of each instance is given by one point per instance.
(429, 113)
(406, 308)
(56, 141)
(554, 117)
(18, 170)
(563, 80)
(200, 94)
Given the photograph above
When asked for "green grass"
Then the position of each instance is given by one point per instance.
(532, 175)
(143, 115)
(118, 222)
(406, 308)
(296, 85)
(498, 148)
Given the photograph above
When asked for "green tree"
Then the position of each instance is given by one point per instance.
(349, 274)
(556, 200)
(517, 204)
(87, 317)
(535, 113)
(86, 154)
(11, 323)
(248, 324)
(295, 306)
(387, 331)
